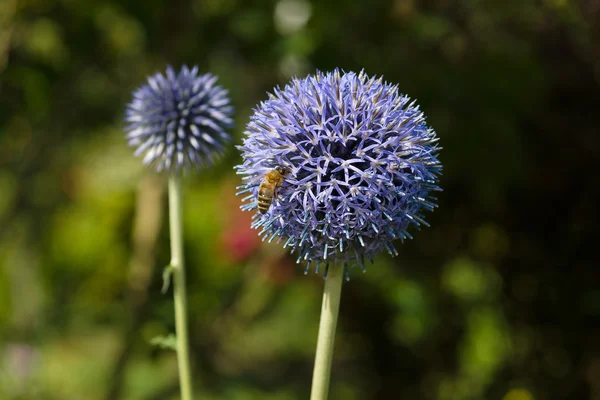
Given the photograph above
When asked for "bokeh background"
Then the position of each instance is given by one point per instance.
(499, 299)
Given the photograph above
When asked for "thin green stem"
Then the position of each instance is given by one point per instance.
(179, 291)
(329, 316)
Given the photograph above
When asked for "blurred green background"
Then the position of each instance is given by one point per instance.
(499, 299)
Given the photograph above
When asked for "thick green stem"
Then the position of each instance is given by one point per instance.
(329, 315)
(179, 292)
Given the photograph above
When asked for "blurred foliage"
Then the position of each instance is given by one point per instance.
(499, 299)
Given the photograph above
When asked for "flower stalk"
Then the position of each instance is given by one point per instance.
(362, 167)
(178, 122)
(177, 267)
(325, 342)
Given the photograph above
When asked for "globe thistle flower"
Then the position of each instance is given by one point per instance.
(179, 120)
(361, 160)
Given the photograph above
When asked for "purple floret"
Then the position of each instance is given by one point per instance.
(179, 120)
(363, 163)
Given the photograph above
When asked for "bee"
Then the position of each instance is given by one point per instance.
(268, 187)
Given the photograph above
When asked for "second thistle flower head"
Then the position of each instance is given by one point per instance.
(179, 120)
(357, 163)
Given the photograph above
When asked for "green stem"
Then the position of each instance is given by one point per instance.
(329, 315)
(179, 292)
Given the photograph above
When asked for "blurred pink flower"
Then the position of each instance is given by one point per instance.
(239, 241)
(20, 359)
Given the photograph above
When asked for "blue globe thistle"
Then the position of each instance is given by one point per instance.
(361, 160)
(179, 120)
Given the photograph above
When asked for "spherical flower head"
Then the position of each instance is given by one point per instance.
(179, 120)
(359, 165)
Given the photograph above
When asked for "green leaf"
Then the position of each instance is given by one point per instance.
(165, 342)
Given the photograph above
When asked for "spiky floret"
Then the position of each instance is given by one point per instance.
(363, 163)
(179, 120)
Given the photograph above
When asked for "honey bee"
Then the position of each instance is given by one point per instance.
(268, 187)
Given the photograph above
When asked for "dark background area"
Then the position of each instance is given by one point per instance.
(499, 299)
